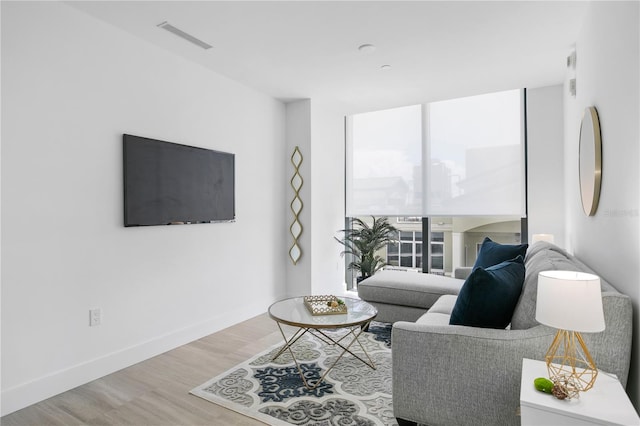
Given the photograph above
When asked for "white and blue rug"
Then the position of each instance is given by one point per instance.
(273, 392)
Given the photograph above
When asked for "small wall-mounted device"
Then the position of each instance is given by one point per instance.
(571, 60)
(572, 87)
(95, 317)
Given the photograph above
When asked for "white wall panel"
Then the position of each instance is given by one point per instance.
(71, 86)
(607, 70)
(545, 162)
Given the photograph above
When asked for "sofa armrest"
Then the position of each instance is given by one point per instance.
(457, 375)
(462, 272)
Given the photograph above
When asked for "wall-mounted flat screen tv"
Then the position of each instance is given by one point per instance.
(168, 183)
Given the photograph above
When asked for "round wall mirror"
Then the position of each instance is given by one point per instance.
(590, 161)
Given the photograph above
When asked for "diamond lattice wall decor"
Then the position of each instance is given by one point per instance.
(296, 205)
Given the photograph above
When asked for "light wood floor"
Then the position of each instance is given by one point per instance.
(156, 391)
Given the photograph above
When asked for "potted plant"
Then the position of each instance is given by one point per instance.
(363, 241)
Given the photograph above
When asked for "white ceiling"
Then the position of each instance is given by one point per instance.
(309, 49)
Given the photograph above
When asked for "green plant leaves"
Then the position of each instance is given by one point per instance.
(364, 240)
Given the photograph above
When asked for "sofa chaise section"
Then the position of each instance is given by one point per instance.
(405, 296)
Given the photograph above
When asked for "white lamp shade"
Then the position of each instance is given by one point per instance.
(570, 300)
(542, 237)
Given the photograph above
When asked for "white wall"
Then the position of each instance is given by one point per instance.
(299, 134)
(327, 175)
(317, 127)
(0, 214)
(545, 162)
(71, 86)
(607, 77)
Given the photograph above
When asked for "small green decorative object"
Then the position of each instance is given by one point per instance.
(335, 303)
(543, 384)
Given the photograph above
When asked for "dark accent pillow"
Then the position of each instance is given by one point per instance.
(492, 253)
(489, 296)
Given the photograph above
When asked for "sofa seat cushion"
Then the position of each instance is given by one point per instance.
(407, 288)
(434, 318)
(444, 305)
(489, 296)
(440, 312)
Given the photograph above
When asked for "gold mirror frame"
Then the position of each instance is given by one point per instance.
(590, 158)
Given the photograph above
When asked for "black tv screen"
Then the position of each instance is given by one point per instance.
(167, 183)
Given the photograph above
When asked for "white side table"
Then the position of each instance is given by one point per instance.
(604, 404)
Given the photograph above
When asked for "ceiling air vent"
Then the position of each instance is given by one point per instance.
(167, 26)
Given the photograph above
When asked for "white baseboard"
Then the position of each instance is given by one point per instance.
(29, 393)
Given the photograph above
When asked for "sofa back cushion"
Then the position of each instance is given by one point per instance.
(489, 295)
(492, 253)
(544, 256)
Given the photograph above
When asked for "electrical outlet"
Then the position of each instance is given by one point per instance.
(95, 317)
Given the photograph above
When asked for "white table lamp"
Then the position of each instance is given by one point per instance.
(571, 302)
(542, 237)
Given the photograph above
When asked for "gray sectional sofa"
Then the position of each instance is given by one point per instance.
(458, 375)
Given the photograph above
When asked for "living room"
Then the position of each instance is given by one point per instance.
(73, 83)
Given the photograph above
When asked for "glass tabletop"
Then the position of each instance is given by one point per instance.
(294, 312)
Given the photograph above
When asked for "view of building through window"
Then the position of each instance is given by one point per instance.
(407, 252)
(453, 242)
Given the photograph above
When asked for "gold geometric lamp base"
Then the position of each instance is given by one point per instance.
(569, 362)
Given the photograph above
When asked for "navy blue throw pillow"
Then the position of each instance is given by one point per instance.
(492, 253)
(489, 296)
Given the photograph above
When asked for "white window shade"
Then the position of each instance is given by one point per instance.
(475, 156)
(461, 157)
(384, 163)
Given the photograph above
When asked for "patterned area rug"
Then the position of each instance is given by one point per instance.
(273, 392)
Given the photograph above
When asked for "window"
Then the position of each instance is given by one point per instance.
(384, 163)
(408, 252)
(437, 264)
(459, 162)
(437, 248)
(437, 253)
(459, 157)
(476, 156)
(453, 242)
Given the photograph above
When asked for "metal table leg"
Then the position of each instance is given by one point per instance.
(327, 340)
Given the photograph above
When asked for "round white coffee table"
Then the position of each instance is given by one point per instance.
(293, 312)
